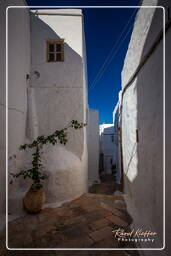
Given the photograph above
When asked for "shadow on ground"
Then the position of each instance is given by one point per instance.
(107, 186)
(86, 222)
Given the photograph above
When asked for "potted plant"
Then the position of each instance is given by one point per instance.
(35, 197)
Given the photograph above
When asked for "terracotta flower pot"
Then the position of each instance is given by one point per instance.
(34, 200)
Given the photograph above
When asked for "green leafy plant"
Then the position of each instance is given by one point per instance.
(35, 173)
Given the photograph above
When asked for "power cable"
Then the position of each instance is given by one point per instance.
(113, 52)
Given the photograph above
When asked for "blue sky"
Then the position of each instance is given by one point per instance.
(103, 28)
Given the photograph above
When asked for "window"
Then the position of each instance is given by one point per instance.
(55, 51)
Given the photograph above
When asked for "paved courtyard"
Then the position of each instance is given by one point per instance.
(86, 222)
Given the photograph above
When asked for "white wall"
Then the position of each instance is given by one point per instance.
(106, 131)
(18, 67)
(107, 146)
(2, 113)
(47, 102)
(168, 125)
(59, 96)
(116, 123)
(117, 114)
(168, 140)
(142, 110)
(93, 146)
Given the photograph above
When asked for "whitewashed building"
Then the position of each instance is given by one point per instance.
(18, 66)
(93, 146)
(46, 90)
(58, 87)
(142, 119)
(107, 148)
(117, 142)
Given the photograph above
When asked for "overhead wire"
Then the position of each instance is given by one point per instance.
(110, 57)
(112, 52)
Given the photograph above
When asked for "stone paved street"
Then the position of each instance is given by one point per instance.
(107, 185)
(86, 222)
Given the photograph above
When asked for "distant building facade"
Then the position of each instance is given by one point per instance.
(117, 143)
(93, 146)
(107, 148)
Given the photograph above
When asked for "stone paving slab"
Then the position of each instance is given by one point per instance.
(98, 224)
(101, 234)
(86, 222)
(112, 209)
(102, 188)
(118, 221)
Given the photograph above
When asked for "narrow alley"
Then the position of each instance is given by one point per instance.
(83, 120)
(87, 222)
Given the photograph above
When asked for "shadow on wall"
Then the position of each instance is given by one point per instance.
(42, 32)
(108, 150)
(55, 97)
(63, 82)
(146, 190)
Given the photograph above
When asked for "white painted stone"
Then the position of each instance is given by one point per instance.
(67, 27)
(60, 96)
(93, 146)
(135, 49)
(116, 123)
(142, 109)
(66, 179)
(55, 94)
(18, 66)
(168, 141)
(129, 126)
(107, 147)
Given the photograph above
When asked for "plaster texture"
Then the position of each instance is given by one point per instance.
(107, 147)
(167, 131)
(59, 90)
(44, 97)
(93, 146)
(135, 49)
(168, 141)
(18, 67)
(2, 114)
(142, 125)
(116, 122)
(129, 127)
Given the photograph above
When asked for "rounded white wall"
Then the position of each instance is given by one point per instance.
(57, 96)
(53, 98)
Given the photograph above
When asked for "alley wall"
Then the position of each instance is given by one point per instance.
(168, 140)
(107, 148)
(142, 122)
(18, 67)
(93, 146)
(43, 97)
(57, 90)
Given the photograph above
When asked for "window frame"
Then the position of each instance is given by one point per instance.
(55, 42)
